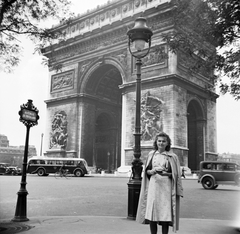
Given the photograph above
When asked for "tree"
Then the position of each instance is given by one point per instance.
(211, 22)
(25, 18)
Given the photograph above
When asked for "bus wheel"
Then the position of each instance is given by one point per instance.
(41, 172)
(78, 173)
(208, 183)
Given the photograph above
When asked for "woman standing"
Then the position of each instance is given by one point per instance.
(161, 188)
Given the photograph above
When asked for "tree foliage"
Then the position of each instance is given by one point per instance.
(26, 17)
(202, 23)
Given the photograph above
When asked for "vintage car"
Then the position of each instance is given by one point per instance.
(214, 173)
(3, 168)
(13, 170)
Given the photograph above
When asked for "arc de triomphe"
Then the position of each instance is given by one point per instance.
(91, 102)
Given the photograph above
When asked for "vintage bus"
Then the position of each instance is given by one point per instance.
(43, 166)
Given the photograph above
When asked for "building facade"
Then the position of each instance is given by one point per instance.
(91, 103)
(13, 155)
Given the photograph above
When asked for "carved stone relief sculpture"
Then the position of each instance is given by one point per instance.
(157, 55)
(62, 81)
(151, 116)
(122, 57)
(59, 135)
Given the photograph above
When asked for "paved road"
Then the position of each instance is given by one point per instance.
(103, 196)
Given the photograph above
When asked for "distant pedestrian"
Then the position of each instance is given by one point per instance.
(161, 188)
(183, 173)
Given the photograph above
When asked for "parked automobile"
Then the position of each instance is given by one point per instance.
(3, 167)
(214, 173)
(13, 170)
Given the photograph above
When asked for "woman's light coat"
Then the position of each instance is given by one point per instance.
(177, 190)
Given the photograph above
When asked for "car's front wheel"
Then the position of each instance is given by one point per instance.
(208, 183)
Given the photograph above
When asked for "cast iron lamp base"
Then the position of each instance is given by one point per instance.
(134, 187)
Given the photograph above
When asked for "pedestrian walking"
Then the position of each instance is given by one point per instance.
(161, 188)
(183, 173)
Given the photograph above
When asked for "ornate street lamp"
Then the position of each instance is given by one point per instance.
(139, 43)
(29, 117)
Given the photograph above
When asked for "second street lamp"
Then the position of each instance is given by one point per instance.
(139, 37)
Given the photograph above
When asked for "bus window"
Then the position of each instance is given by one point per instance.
(78, 163)
(40, 162)
(33, 162)
(69, 163)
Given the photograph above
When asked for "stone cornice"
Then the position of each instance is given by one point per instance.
(77, 97)
(90, 45)
(110, 34)
(173, 79)
(107, 14)
(179, 147)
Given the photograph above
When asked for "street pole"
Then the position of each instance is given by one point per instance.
(137, 133)
(29, 117)
(21, 208)
(139, 35)
(108, 154)
(41, 144)
(134, 184)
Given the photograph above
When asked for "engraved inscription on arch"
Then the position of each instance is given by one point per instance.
(62, 81)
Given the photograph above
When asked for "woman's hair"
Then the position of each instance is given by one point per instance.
(162, 134)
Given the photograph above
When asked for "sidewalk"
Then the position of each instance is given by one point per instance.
(109, 225)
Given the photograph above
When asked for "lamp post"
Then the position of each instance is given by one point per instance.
(29, 117)
(41, 144)
(139, 36)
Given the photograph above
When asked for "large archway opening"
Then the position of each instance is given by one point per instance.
(103, 86)
(195, 135)
(106, 155)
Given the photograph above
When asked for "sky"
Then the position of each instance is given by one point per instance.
(30, 81)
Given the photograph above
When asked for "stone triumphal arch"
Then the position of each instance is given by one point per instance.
(91, 102)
